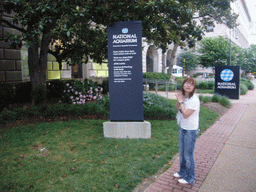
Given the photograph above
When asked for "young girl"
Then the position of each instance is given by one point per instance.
(188, 106)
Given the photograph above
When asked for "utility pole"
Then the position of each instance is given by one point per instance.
(184, 62)
(230, 48)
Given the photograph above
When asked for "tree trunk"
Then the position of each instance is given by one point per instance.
(38, 63)
(33, 64)
(173, 56)
(163, 61)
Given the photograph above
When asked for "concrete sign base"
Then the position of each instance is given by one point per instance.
(127, 130)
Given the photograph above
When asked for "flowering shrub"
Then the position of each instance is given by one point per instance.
(157, 107)
(77, 92)
(104, 103)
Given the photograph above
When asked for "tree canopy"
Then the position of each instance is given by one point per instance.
(73, 30)
(216, 51)
(191, 60)
(248, 63)
(183, 22)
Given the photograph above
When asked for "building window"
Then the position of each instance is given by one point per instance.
(54, 72)
(24, 64)
(99, 70)
(77, 71)
(149, 64)
(65, 66)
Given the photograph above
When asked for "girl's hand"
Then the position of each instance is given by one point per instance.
(179, 97)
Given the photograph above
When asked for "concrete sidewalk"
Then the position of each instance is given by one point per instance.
(235, 167)
(225, 155)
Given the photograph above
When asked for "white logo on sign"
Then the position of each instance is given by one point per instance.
(226, 75)
(125, 30)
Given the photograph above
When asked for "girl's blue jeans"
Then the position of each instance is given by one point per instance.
(187, 142)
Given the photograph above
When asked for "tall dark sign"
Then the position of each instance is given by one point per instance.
(227, 80)
(125, 71)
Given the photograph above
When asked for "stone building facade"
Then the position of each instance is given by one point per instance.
(10, 58)
(240, 34)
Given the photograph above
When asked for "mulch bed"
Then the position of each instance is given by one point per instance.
(40, 119)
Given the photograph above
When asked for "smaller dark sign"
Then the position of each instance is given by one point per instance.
(227, 79)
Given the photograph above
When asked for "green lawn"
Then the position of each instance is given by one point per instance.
(75, 156)
(211, 91)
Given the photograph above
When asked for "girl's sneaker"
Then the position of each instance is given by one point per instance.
(176, 175)
(182, 181)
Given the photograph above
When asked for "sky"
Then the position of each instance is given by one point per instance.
(251, 5)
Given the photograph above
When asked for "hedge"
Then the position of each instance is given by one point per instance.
(156, 76)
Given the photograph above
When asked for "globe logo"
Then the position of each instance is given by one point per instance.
(124, 30)
(226, 75)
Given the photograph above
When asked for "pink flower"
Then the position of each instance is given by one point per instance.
(67, 84)
(94, 97)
